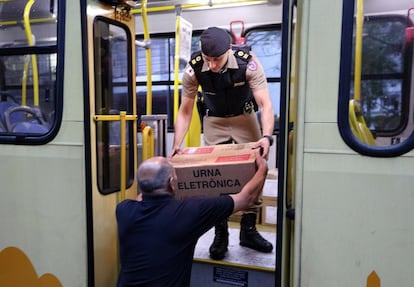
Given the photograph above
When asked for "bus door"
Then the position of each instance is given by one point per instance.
(352, 144)
(112, 138)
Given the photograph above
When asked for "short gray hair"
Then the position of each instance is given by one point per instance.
(160, 179)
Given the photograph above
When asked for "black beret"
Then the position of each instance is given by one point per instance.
(214, 42)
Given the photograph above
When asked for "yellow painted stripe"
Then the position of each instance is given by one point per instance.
(237, 265)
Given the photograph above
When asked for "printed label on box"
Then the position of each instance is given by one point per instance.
(213, 170)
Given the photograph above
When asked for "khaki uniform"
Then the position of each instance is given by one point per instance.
(241, 128)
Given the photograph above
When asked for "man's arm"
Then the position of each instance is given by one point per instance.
(264, 103)
(185, 113)
(257, 81)
(247, 196)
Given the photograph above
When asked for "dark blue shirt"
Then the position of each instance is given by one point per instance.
(158, 235)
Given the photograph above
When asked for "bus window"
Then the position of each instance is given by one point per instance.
(377, 101)
(113, 93)
(266, 44)
(162, 52)
(30, 84)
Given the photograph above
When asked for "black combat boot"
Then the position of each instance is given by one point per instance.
(218, 248)
(249, 237)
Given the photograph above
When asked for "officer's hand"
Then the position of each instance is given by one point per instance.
(175, 151)
(264, 144)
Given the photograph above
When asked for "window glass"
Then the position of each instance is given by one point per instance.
(113, 94)
(383, 77)
(266, 44)
(160, 99)
(375, 115)
(29, 98)
(162, 60)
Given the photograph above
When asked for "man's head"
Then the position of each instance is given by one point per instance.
(156, 175)
(215, 42)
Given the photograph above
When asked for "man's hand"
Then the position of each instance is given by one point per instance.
(261, 162)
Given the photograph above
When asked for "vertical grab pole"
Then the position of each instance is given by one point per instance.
(122, 115)
(122, 118)
(29, 36)
(176, 58)
(358, 49)
(147, 143)
(193, 135)
(148, 57)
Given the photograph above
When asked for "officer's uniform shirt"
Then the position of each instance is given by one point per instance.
(255, 75)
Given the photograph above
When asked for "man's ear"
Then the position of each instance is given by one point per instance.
(171, 185)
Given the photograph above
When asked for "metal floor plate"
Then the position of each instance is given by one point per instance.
(236, 254)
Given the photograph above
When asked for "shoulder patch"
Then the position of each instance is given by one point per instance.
(189, 71)
(196, 60)
(252, 66)
(242, 55)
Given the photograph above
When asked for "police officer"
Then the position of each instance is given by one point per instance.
(230, 77)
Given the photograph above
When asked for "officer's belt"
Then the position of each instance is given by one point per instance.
(221, 115)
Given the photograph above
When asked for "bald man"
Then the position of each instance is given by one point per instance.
(158, 234)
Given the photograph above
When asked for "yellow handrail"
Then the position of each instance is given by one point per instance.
(198, 5)
(176, 61)
(122, 117)
(358, 49)
(193, 135)
(123, 154)
(358, 125)
(356, 117)
(29, 36)
(148, 57)
(32, 21)
(147, 143)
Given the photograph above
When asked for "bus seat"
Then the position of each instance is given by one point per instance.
(2, 128)
(29, 128)
(4, 106)
(358, 124)
(25, 119)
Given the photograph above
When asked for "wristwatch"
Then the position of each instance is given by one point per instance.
(270, 138)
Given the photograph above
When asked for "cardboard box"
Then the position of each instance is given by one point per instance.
(269, 197)
(270, 190)
(213, 170)
(269, 214)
